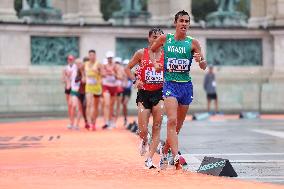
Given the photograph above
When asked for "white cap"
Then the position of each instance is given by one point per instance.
(117, 59)
(109, 54)
(126, 61)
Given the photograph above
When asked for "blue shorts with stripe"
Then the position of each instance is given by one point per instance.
(182, 91)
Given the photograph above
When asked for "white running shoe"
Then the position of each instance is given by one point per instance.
(143, 148)
(163, 162)
(69, 126)
(149, 164)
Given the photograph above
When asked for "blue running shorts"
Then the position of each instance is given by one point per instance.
(182, 91)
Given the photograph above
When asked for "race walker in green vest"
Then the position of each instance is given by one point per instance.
(179, 50)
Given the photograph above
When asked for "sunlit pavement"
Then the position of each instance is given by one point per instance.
(45, 154)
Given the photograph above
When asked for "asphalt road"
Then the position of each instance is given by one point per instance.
(255, 147)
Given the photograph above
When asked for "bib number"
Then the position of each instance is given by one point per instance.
(178, 65)
(91, 81)
(110, 79)
(151, 76)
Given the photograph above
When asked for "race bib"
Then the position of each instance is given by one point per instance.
(151, 76)
(178, 65)
(91, 81)
(110, 79)
(213, 83)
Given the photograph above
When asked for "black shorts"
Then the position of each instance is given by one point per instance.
(149, 98)
(126, 92)
(212, 96)
(67, 91)
(119, 94)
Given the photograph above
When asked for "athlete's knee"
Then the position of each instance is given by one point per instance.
(172, 121)
(157, 126)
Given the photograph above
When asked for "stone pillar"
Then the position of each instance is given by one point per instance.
(279, 17)
(278, 36)
(159, 10)
(69, 9)
(257, 14)
(163, 11)
(90, 11)
(7, 10)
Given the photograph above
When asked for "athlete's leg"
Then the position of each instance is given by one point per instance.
(69, 104)
(106, 96)
(181, 114)
(83, 107)
(157, 112)
(72, 110)
(143, 120)
(118, 103)
(89, 107)
(171, 106)
(111, 109)
(96, 108)
(77, 107)
(125, 102)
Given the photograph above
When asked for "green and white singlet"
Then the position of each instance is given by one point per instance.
(177, 59)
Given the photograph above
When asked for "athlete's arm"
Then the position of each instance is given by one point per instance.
(118, 72)
(158, 43)
(82, 70)
(136, 59)
(102, 70)
(198, 56)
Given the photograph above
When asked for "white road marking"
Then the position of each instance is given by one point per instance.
(257, 161)
(270, 132)
(239, 154)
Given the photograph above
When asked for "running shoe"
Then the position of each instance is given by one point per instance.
(163, 162)
(105, 126)
(143, 148)
(177, 162)
(76, 128)
(112, 125)
(149, 164)
(87, 126)
(69, 127)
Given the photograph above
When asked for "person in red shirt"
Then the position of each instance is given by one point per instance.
(149, 96)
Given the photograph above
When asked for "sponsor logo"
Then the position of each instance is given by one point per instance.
(168, 93)
(212, 165)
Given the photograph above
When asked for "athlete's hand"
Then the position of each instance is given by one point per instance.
(138, 84)
(158, 67)
(202, 63)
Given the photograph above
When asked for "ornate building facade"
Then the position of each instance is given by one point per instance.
(250, 60)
